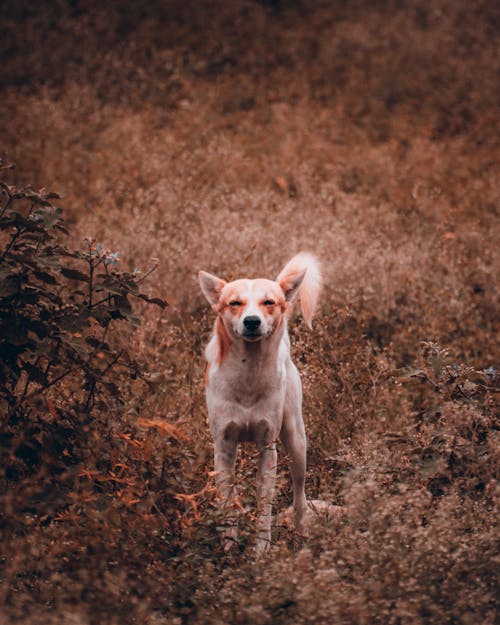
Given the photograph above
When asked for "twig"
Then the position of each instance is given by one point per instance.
(148, 273)
(39, 391)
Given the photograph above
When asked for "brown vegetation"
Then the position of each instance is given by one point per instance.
(226, 136)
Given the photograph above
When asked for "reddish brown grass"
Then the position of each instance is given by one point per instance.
(226, 137)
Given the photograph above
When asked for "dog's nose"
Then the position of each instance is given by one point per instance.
(252, 322)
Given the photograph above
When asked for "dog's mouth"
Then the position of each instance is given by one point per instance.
(252, 336)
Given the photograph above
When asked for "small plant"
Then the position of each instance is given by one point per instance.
(454, 381)
(58, 310)
(57, 306)
(453, 440)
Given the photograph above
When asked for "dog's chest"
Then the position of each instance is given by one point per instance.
(246, 382)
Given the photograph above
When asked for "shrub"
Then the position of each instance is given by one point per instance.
(58, 308)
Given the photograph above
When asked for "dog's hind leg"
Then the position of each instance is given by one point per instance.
(295, 446)
(293, 437)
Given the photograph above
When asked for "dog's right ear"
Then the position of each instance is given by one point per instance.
(211, 286)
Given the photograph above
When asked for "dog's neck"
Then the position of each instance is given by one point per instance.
(257, 353)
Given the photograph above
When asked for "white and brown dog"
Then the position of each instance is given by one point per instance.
(253, 388)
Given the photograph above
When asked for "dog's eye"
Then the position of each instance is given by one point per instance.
(235, 302)
(269, 302)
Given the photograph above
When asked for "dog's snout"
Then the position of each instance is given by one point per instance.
(252, 322)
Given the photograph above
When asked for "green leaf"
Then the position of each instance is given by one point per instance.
(122, 304)
(9, 286)
(111, 286)
(101, 314)
(76, 344)
(45, 277)
(49, 261)
(134, 320)
(437, 364)
(74, 274)
(47, 216)
(35, 373)
(428, 467)
(75, 320)
(62, 228)
(97, 344)
(409, 373)
(40, 328)
(153, 300)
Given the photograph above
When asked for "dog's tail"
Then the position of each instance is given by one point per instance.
(304, 271)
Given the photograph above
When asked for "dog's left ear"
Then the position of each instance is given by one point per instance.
(290, 284)
(211, 286)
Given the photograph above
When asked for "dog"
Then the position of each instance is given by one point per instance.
(253, 389)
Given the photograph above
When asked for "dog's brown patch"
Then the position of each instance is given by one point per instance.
(223, 340)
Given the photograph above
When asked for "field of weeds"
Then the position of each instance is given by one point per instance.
(227, 136)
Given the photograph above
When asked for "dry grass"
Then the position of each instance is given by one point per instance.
(227, 137)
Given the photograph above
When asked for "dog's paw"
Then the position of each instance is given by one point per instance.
(317, 511)
(262, 543)
(230, 538)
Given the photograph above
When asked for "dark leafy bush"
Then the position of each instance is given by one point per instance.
(58, 308)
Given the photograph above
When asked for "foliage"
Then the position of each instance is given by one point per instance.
(57, 306)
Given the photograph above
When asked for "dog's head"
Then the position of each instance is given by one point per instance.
(251, 310)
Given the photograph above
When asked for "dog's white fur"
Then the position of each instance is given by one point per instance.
(253, 388)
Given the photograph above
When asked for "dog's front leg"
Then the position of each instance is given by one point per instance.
(224, 461)
(266, 478)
